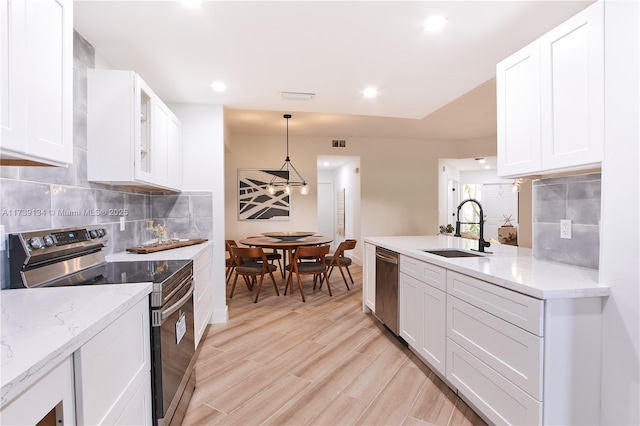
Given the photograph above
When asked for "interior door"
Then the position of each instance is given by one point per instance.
(326, 223)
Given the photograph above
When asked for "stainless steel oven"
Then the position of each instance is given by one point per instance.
(73, 256)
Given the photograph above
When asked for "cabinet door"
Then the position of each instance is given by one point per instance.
(202, 296)
(518, 110)
(409, 307)
(13, 109)
(143, 131)
(113, 372)
(433, 313)
(175, 152)
(572, 81)
(369, 278)
(54, 392)
(37, 78)
(160, 142)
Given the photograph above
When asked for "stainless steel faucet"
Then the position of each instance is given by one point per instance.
(481, 242)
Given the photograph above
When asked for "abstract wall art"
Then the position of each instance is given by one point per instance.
(255, 203)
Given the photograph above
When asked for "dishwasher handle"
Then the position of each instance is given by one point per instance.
(387, 259)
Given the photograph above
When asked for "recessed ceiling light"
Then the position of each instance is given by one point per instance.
(218, 86)
(487, 167)
(370, 92)
(327, 164)
(435, 23)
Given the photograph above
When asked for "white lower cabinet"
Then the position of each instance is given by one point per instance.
(422, 310)
(203, 305)
(113, 372)
(369, 278)
(51, 397)
(517, 359)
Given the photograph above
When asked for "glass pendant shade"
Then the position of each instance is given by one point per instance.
(304, 189)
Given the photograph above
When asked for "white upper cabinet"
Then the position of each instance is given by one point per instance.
(37, 82)
(572, 79)
(550, 100)
(518, 105)
(133, 137)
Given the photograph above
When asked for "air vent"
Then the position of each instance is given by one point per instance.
(296, 96)
(338, 143)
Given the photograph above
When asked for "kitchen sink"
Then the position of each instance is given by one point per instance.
(452, 253)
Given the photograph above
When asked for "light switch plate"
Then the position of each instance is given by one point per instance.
(565, 229)
(122, 223)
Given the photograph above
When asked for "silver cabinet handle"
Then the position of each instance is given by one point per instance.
(387, 259)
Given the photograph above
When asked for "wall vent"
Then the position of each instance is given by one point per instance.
(338, 143)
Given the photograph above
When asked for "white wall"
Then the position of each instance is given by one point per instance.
(620, 233)
(398, 181)
(203, 170)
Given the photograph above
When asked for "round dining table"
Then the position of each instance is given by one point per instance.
(288, 247)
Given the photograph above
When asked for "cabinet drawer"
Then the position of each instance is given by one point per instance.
(524, 311)
(425, 272)
(510, 350)
(496, 397)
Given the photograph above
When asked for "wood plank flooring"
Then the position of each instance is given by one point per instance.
(323, 362)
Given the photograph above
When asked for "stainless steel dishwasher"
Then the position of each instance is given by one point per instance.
(387, 288)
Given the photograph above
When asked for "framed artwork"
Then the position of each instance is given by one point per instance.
(255, 203)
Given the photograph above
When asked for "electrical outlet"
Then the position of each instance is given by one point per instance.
(122, 223)
(565, 229)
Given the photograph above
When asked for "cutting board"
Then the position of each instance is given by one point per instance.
(146, 250)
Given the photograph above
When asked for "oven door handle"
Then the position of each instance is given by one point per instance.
(171, 309)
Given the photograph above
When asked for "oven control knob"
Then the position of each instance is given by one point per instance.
(35, 243)
(49, 241)
(93, 233)
(102, 232)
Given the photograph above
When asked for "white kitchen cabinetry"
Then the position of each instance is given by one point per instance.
(550, 100)
(52, 397)
(518, 104)
(369, 278)
(203, 305)
(521, 360)
(37, 82)
(133, 137)
(113, 372)
(422, 310)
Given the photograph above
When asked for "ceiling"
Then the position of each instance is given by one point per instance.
(430, 85)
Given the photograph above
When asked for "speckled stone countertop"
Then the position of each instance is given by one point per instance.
(43, 326)
(507, 266)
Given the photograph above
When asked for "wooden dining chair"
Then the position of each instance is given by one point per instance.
(272, 257)
(341, 261)
(253, 262)
(308, 261)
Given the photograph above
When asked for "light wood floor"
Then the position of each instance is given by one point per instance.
(323, 362)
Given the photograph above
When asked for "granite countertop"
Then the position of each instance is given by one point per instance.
(508, 266)
(182, 253)
(43, 326)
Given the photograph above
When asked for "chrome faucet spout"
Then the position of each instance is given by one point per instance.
(481, 242)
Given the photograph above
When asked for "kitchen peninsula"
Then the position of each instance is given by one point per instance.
(518, 338)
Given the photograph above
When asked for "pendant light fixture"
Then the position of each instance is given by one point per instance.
(281, 178)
